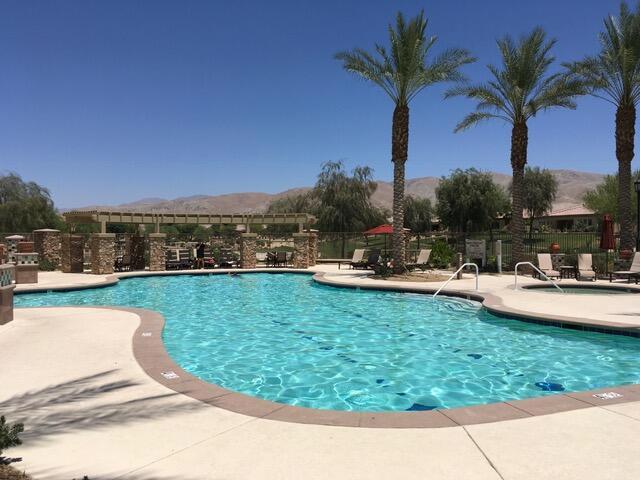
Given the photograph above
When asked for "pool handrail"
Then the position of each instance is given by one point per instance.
(515, 284)
(464, 265)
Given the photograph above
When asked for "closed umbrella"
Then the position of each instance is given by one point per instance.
(607, 240)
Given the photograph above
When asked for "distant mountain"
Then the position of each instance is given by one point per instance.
(572, 185)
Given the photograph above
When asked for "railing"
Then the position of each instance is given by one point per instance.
(464, 265)
(515, 285)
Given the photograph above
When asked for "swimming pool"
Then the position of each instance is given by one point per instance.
(285, 338)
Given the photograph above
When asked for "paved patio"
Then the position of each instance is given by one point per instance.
(89, 409)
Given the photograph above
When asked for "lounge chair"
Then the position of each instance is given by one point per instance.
(372, 259)
(173, 259)
(208, 260)
(585, 267)
(423, 260)
(634, 270)
(227, 259)
(546, 266)
(281, 259)
(185, 258)
(358, 257)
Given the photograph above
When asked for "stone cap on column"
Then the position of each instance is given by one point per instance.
(157, 235)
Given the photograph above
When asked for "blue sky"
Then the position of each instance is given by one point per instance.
(111, 101)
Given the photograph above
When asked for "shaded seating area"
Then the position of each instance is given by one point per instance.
(278, 259)
(633, 272)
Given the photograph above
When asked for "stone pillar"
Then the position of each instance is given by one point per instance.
(26, 267)
(6, 293)
(103, 253)
(313, 248)
(248, 250)
(48, 245)
(12, 246)
(300, 250)
(72, 253)
(157, 255)
(137, 252)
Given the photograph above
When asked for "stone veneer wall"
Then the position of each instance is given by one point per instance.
(137, 252)
(248, 250)
(72, 253)
(48, 245)
(157, 255)
(103, 253)
(313, 248)
(300, 250)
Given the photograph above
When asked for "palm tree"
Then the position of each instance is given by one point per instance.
(402, 72)
(518, 91)
(614, 76)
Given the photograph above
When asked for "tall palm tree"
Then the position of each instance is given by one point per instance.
(614, 76)
(402, 71)
(518, 91)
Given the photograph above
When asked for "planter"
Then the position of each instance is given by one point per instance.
(554, 247)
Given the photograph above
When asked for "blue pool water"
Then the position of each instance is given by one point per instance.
(287, 339)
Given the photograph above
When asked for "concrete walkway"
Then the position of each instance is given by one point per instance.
(89, 409)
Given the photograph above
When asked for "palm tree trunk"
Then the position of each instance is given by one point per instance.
(519, 141)
(399, 151)
(625, 133)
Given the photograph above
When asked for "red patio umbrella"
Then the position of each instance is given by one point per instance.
(384, 229)
(607, 240)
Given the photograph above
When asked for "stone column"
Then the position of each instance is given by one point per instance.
(6, 293)
(313, 248)
(300, 250)
(72, 253)
(103, 253)
(137, 252)
(157, 255)
(248, 250)
(48, 245)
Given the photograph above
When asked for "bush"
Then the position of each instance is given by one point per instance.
(9, 434)
(442, 255)
(45, 265)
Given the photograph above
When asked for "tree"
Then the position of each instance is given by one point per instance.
(614, 75)
(517, 92)
(417, 214)
(403, 72)
(340, 202)
(9, 435)
(539, 193)
(469, 200)
(604, 198)
(25, 206)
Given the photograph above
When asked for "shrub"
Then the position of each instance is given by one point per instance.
(9, 434)
(45, 265)
(442, 255)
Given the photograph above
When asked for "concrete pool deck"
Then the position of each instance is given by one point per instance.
(90, 409)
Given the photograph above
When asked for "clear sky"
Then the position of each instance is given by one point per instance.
(111, 101)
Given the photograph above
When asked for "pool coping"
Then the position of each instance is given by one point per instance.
(150, 353)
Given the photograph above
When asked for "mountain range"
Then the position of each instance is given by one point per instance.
(572, 185)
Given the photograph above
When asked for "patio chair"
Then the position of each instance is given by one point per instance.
(185, 258)
(172, 261)
(634, 270)
(546, 266)
(372, 259)
(585, 267)
(422, 262)
(280, 259)
(227, 259)
(358, 256)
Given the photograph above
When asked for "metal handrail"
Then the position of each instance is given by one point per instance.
(456, 273)
(515, 285)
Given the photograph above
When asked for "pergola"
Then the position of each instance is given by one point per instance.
(103, 217)
(102, 244)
